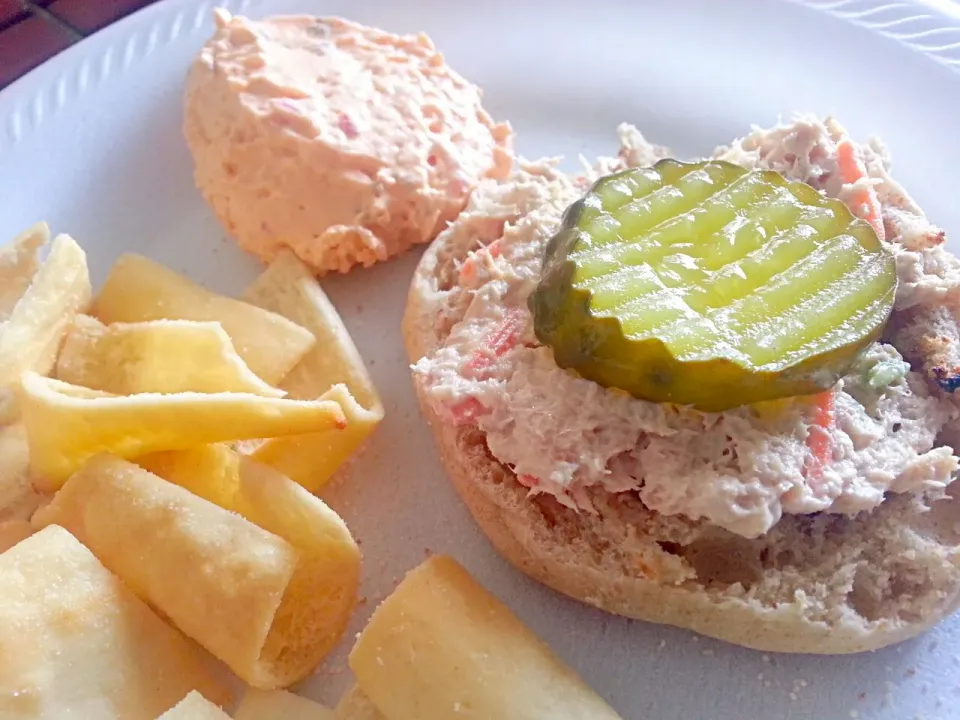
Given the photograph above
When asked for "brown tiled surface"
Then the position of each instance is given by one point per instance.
(9, 8)
(10, 11)
(88, 16)
(28, 43)
(33, 31)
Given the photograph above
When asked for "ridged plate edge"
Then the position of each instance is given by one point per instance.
(115, 59)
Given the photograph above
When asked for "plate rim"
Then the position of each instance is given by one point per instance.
(930, 28)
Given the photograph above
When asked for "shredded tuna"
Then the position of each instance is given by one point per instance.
(929, 276)
(741, 469)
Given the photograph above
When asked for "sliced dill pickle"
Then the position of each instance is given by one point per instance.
(710, 285)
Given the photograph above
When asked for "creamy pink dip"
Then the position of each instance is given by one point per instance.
(343, 142)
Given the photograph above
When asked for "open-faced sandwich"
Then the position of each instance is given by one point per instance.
(714, 394)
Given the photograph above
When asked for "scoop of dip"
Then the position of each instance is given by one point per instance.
(345, 143)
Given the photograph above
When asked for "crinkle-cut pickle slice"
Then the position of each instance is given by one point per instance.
(710, 285)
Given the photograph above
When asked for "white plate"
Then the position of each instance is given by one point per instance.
(91, 142)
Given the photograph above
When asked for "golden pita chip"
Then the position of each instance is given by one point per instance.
(268, 590)
(441, 640)
(138, 289)
(77, 643)
(19, 262)
(31, 335)
(68, 424)
(313, 459)
(277, 704)
(18, 498)
(195, 707)
(289, 288)
(355, 705)
(157, 356)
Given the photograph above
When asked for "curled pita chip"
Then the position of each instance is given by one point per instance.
(277, 704)
(19, 262)
(157, 356)
(312, 459)
(9, 408)
(269, 595)
(31, 334)
(355, 705)
(18, 498)
(30, 337)
(289, 288)
(195, 707)
(138, 289)
(330, 559)
(68, 424)
(78, 644)
(441, 641)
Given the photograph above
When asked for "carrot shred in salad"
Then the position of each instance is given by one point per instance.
(468, 271)
(467, 411)
(818, 440)
(865, 203)
(528, 481)
(494, 345)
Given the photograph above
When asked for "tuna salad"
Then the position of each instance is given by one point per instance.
(887, 421)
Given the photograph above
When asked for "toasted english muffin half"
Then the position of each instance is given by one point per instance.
(820, 583)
